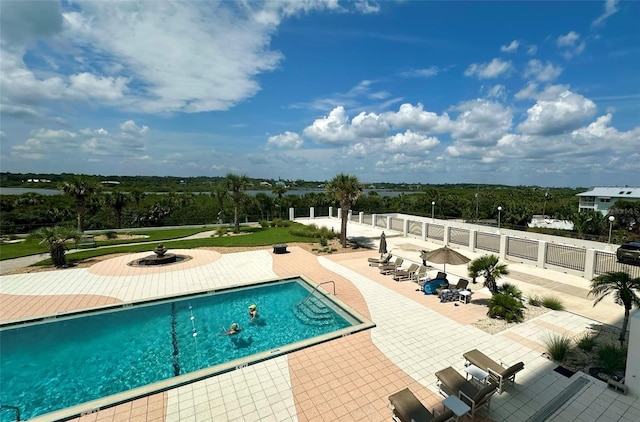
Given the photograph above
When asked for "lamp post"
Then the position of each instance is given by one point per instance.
(433, 207)
(499, 211)
(611, 220)
(544, 207)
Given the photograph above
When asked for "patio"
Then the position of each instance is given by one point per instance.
(348, 379)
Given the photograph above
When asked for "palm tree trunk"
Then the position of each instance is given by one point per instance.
(491, 284)
(236, 220)
(57, 254)
(625, 323)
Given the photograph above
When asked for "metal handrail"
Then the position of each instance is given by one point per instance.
(16, 408)
(316, 288)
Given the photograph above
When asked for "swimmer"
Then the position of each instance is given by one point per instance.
(253, 312)
(233, 329)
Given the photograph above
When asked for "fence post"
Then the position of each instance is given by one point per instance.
(589, 264)
(503, 246)
(349, 215)
(542, 253)
(472, 239)
(292, 214)
(405, 227)
(445, 233)
(374, 220)
(361, 217)
(388, 223)
(424, 230)
(312, 213)
(330, 212)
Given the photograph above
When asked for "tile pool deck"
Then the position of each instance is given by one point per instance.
(348, 379)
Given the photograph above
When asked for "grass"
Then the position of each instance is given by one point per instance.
(552, 302)
(33, 247)
(257, 236)
(558, 347)
(587, 342)
(612, 358)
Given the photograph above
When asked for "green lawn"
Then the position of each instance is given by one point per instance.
(257, 236)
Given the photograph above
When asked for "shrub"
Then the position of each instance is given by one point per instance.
(612, 357)
(264, 223)
(534, 300)
(323, 241)
(511, 290)
(111, 235)
(587, 342)
(552, 302)
(558, 347)
(221, 231)
(504, 306)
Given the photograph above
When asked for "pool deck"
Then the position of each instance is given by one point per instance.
(348, 379)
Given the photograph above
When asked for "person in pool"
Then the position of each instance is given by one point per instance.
(253, 312)
(233, 329)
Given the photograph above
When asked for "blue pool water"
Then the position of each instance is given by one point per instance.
(60, 363)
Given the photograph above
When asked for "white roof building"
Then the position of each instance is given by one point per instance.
(601, 198)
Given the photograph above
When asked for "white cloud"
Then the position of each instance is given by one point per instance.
(497, 91)
(543, 73)
(366, 6)
(570, 45)
(610, 7)
(421, 73)
(493, 69)
(336, 127)
(409, 141)
(285, 140)
(89, 142)
(416, 118)
(533, 49)
(550, 92)
(511, 48)
(554, 117)
(481, 122)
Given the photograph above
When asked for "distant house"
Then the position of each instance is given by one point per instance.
(110, 182)
(263, 183)
(602, 198)
(550, 223)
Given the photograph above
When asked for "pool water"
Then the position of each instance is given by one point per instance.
(57, 364)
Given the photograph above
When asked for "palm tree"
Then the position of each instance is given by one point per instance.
(80, 189)
(56, 237)
(345, 189)
(118, 201)
(236, 184)
(279, 189)
(488, 267)
(625, 291)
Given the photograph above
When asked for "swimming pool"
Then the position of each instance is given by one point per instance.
(83, 361)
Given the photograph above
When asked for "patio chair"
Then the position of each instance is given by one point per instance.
(407, 408)
(450, 382)
(388, 268)
(498, 372)
(374, 262)
(421, 274)
(463, 283)
(408, 274)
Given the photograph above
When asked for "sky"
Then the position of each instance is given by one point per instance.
(517, 93)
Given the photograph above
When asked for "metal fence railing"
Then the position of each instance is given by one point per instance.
(381, 221)
(321, 211)
(435, 231)
(566, 256)
(397, 224)
(415, 228)
(488, 242)
(522, 248)
(367, 219)
(606, 262)
(459, 236)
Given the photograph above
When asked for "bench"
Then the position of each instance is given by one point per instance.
(86, 242)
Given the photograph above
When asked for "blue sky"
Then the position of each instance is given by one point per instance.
(519, 93)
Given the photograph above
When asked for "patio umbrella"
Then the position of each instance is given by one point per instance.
(383, 244)
(445, 256)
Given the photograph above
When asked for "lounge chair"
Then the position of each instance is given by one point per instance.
(429, 287)
(498, 372)
(450, 382)
(421, 274)
(408, 274)
(374, 262)
(388, 268)
(463, 283)
(407, 408)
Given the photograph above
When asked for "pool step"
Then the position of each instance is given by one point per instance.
(313, 311)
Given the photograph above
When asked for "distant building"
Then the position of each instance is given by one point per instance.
(110, 182)
(263, 183)
(602, 198)
(550, 223)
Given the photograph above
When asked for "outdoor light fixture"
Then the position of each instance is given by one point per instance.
(611, 220)
(499, 211)
(433, 207)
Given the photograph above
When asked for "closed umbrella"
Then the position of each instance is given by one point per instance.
(446, 255)
(383, 244)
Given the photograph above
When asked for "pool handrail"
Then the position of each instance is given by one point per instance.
(316, 288)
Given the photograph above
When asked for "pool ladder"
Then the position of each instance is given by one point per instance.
(315, 312)
(15, 408)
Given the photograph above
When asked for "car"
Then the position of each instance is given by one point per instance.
(629, 252)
